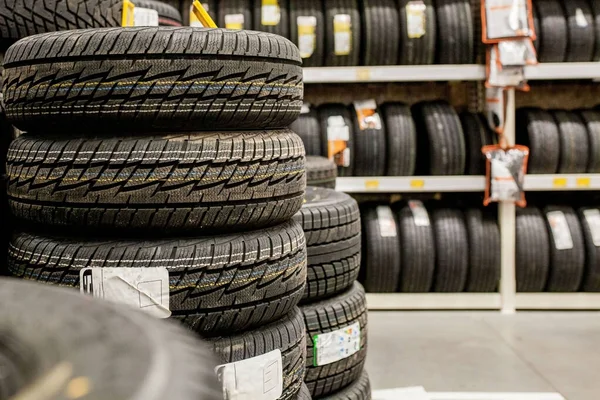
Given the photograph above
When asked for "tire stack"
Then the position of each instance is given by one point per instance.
(416, 249)
(334, 304)
(132, 160)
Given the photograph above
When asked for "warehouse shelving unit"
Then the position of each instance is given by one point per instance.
(507, 300)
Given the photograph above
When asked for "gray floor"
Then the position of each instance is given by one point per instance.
(487, 352)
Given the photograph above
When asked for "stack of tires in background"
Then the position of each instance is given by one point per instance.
(429, 138)
(416, 249)
(166, 149)
(334, 305)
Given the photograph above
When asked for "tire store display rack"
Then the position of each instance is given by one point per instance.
(507, 300)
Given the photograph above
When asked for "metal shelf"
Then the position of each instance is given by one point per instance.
(399, 73)
(434, 301)
(562, 182)
(558, 301)
(563, 71)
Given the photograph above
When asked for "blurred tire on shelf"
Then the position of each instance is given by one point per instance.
(417, 48)
(308, 128)
(532, 250)
(455, 39)
(380, 33)
(347, 43)
(451, 248)
(320, 172)
(338, 117)
(167, 14)
(477, 135)
(266, 19)
(359, 390)
(311, 9)
(574, 146)
(484, 251)
(239, 11)
(401, 140)
(538, 130)
(370, 145)
(581, 31)
(591, 119)
(589, 218)
(553, 31)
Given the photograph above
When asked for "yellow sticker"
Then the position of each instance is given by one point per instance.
(270, 13)
(372, 184)
(234, 21)
(128, 15)
(583, 182)
(342, 34)
(417, 183)
(363, 74)
(559, 182)
(199, 15)
(307, 36)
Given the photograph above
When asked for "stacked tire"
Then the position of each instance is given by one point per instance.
(416, 249)
(334, 304)
(131, 164)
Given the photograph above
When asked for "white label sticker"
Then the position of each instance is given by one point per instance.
(305, 109)
(387, 223)
(342, 29)
(234, 21)
(337, 345)
(592, 217)
(307, 37)
(140, 287)
(145, 17)
(337, 128)
(419, 213)
(416, 19)
(560, 230)
(256, 378)
(580, 18)
(270, 13)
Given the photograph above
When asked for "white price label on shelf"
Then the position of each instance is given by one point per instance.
(337, 345)
(256, 378)
(387, 222)
(592, 217)
(145, 17)
(560, 230)
(416, 19)
(342, 34)
(419, 213)
(145, 288)
(307, 36)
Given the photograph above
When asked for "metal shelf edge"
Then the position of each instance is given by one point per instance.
(433, 301)
(558, 301)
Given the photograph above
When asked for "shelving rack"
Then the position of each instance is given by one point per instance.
(507, 300)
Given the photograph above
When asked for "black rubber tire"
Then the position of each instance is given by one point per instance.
(417, 253)
(380, 33)
(566, 266)
(455, 38)
(332, 8)
(591, 278)
(80, 342)
(582, 39)
(418, 51)
(574, 146)
(149, 74)
(309, 8)
(230, 7)
(477, 134)
(167, 14)
(359, 390)
(331, 223)
(320, 172)
(207, 181)
(536, 27)
(371, 153)
(207, 296)
(451, 248)
(591, 119)
(307, 126)
(553, 31)
(381, 254)
(532, 250)
(484, 251)
(330, 110)
(441, 141)
(537, 129)
(21, 18)
(282, 28)
(595, 7)
(330, 315)
(6, 136)
(303, 393)
(287, 335)
(401, 140)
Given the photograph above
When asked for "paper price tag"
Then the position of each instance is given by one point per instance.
(560, 230)
(270, 13)
(307, 36)
(366, 112)
(256, 378)
(194, 21)
(128, 14)
(416, 19)
(506, 19)
(580, 19)
(234, 21)
(387, 222)
(337, 345)
(145, 17)
(338, 135)
(143, 288)
(342, 34)
(592, 218)
(419, 213)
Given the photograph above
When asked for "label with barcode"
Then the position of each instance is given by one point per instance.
(419, 213)
(337, 345)
(387, 223)
(145, 17)
(560, 230)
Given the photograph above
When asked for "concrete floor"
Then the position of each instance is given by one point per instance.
(487, 352)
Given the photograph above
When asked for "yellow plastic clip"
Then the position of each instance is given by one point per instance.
(127, 16)
(203, 16)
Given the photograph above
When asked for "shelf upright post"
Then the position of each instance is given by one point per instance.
(507, 217)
